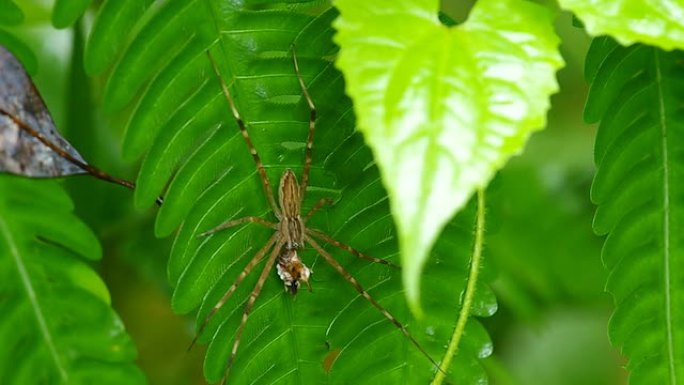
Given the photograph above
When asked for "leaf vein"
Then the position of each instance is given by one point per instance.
(35, 305)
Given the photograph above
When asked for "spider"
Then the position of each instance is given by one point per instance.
(291, 232)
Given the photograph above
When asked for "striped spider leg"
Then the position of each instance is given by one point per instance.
(290, 233)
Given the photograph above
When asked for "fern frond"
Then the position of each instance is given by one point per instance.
(193, 151)
(57, 326)
(638, 93)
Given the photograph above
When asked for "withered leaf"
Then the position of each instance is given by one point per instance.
(29, 142)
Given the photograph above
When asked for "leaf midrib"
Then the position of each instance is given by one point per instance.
(31, 293)
(291, 331)
(667, 260)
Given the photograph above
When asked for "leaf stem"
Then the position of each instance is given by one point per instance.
(464, 314)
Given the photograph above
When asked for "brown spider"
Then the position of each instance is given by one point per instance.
(290, 233)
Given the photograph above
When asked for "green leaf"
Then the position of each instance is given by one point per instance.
(114, 22)
(10, 13)
(20, 50)
(193, 151)
(55, 310)
(443, 108)
(658, 23)
(637, 93)
(66, 12)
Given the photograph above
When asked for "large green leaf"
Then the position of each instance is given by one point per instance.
(659, 23)
(193, 151)
(444, 107)
(57, 326)
(637, 93)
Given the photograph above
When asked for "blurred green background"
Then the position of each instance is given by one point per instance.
(551, 327)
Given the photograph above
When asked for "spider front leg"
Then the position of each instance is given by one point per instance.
(265, 183)
(312, 126)
(322, 202)
(239, 221)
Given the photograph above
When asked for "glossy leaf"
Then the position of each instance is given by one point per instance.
(57, 326)
(193, 151)
(658, 23)
(637, 93)
(444, 107)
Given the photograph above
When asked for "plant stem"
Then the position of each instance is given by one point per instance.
(464, 314)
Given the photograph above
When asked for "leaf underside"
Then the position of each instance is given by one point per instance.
(193, 152)
(57, 326)
(637, 93)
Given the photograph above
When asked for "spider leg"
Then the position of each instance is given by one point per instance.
(312, 126)
(239, 221)
(322, 202)
(243, 130)
(250, 303)
(325, 237)
(245, 272)
(348, 277)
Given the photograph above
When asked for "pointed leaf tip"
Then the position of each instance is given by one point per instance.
(444, 108)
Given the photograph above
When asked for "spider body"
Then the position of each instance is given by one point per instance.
(291, 270)
(290, 232)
